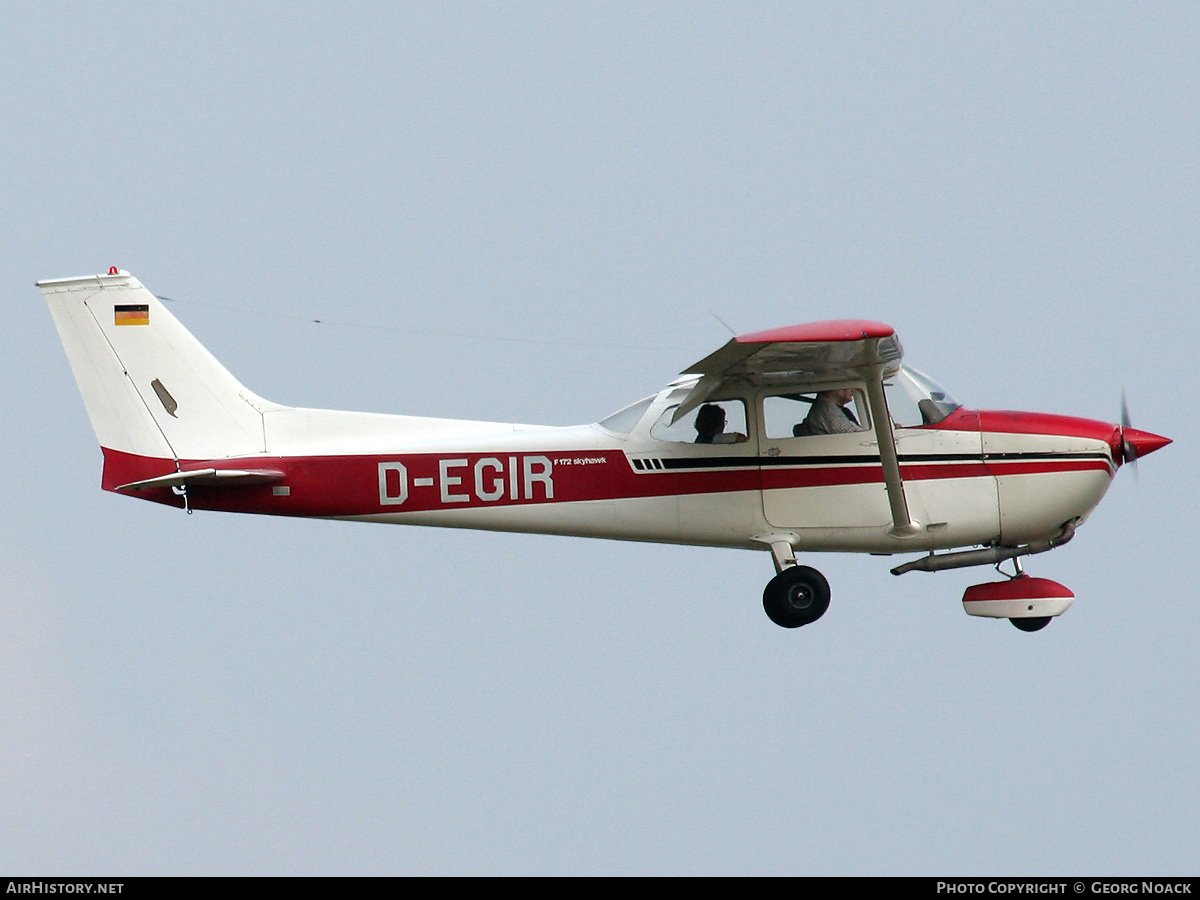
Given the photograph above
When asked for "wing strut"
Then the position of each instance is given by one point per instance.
(903, 524)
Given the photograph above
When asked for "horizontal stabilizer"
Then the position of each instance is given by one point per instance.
(207, 478)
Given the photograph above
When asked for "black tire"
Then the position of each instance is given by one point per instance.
(1034, 623)
(796, 596)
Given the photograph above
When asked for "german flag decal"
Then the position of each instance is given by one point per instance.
(132, 314)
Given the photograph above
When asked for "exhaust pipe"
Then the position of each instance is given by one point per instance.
(988, 555)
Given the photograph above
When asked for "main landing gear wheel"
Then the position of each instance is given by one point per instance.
(1034, 623)
(796, 596)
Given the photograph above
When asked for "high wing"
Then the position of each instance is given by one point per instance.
(819, 354)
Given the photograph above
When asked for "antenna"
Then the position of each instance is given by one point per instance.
(723, 322)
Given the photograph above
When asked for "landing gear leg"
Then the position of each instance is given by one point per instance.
(1030, 623)
(796, 596)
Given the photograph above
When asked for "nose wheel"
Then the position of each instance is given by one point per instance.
(1032, 623)
(796, 596)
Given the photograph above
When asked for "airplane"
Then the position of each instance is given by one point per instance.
(803, 439)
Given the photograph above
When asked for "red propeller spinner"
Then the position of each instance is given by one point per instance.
(1136, 443)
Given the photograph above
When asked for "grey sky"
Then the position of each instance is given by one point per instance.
(528, 212)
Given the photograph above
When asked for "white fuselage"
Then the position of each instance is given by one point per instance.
(965, 484)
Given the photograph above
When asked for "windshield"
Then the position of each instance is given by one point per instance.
(915, 399)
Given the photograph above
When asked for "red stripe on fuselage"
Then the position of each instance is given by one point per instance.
(374, 484)
(777, 479)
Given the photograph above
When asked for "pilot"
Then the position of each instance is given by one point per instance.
(710, 427)
(829, 415)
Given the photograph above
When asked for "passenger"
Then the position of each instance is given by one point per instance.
(829, 415)
(710, 427)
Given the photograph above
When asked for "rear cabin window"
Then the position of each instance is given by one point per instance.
(625, 420)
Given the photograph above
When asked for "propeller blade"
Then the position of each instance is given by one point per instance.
(1136, 443)
(1128, 451)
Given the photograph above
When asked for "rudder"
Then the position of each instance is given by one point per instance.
(150, 388)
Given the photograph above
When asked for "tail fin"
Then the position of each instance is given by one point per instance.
(150, 388)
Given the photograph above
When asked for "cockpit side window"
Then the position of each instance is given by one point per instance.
(715, 422)
(808, 413)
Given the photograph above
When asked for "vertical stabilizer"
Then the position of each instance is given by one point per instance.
(150, 388)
